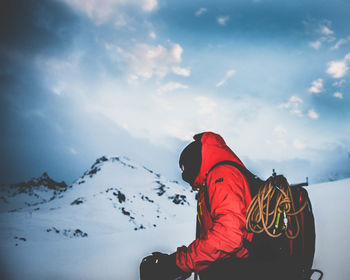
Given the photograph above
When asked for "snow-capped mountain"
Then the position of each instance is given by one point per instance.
(34, 192)
(114, 195)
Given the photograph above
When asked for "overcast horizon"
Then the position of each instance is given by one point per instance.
(82, 79)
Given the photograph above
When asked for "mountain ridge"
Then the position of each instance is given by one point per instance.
(114, 194)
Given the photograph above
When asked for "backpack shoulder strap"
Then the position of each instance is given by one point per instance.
(228, 162)
(252, 179)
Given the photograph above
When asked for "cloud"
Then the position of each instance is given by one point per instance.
(279, 136)
(222, 20)
(181, 71)
(338, 95)
(326, 35)
(337, 69)
(57, 69)
(317, 86)
(172, 86)
(229, 75)
(73, 151)
(201, 11)
(206, 105)
(153, 35)
(293, 105)
(316, 44)
(56, 65)
(163, 119)
(146, 61)
(347, 57)
(340, 42)
(280, 131)
(339, 83)
(312, 114)
(155, 117)
(298, 144)
(149, 5)
(101, 11)
(326, 30)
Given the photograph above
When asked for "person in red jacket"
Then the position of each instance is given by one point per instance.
(224, 196)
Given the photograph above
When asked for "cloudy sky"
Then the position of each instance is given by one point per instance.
(80, 79)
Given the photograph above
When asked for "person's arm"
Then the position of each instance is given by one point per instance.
(228, 212)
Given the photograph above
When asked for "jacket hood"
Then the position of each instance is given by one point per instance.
(214, 150)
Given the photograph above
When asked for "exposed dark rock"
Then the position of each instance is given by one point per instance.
(74, 233)
(44, 180)
(34, 187)
(98, 161)
(69, 232)
(20, 238)
(161, 188)
(103, 158)
(93, 171)
(143, 197)
(94, 168)
(127, 213)
(120, 195)
(78, 201)
(140, 227)
(179, 199)
(122, 162)
(151, 171)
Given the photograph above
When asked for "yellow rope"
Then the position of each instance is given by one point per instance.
(259, 216)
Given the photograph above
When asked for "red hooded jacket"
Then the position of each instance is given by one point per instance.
(223, 229)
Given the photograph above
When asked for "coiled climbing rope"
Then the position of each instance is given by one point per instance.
(273, 200)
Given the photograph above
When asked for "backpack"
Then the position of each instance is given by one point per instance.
(300, 250)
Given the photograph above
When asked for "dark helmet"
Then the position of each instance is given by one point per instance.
(191, 160)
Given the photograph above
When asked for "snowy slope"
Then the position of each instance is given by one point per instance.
(118, 212)
(35, 192)
(114, 195)
(331, 206)
(103, 210)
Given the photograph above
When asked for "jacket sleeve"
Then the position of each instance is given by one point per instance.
(228, 211)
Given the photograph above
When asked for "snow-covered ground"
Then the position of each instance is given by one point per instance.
(331, 206)
(99, 228)
(120, 211)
